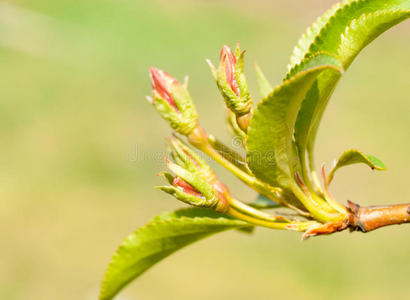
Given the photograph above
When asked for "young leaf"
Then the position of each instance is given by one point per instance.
(315, 102)
(319, 59)
(271, 151)
(353, 156)
(158, 239)
(309, 36)
(348, 29)
(365, 29)
(330, 37)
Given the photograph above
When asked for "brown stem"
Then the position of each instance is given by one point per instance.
(372, 217)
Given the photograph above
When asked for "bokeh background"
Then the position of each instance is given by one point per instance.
(80, 148)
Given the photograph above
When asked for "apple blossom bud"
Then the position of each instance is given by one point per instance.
(173, 102)
(185, 187)
(194, 181)
(228, 60)
(231, 80)
(190, 160)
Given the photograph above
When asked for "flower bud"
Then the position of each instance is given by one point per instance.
(228, 64)
(194, 181)
(231, 81)
(173, 102)
(190, 160)
(185, 187)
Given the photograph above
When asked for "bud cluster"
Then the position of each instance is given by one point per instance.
(193, 181)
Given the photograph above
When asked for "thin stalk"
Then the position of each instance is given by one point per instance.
(248, 179)
(313, 174)
(317, 190)
(317, 211)
(336, 205)
(246, 209)
(305, 172)
(298, 226)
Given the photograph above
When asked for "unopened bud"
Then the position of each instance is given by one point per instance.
(190, 160)
(185, 187)
(231, 80)
(173, 102)
(194, 182)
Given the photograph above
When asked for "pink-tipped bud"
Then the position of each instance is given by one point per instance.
(161, 83)
(173, 102)
(185, 187)
(228, 59)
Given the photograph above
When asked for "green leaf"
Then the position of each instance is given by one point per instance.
(314, 103)
(330, 37)
(353, 156)
(344, 31)
(158, 239)
(365, 29)
(271, 152)
(264, 86)
(263, 202)
(309, 36)
(319, 59)
(315, 100)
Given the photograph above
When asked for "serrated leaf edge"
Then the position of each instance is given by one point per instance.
(317, 25)
(306, 59)
(151, 225)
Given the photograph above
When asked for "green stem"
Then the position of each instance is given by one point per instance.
(308, 181)
(250, 180)
(332, 202)
(313, 173)
(305, 173)
(318, 211)
(252, 212)
(298, 226)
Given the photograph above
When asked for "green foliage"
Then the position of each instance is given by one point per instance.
(280, 134)
(330, 36)
(342, 32)
(158, 239)
(311, 111)
(353, 156)
(271, 151)
(319, 59)
(365, 29)
(309, 36)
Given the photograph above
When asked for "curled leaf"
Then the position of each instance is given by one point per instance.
(353, 156)
(271, 152)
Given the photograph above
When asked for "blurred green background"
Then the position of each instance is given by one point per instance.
(80, 148)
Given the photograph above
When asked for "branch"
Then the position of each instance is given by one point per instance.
(369, 218)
